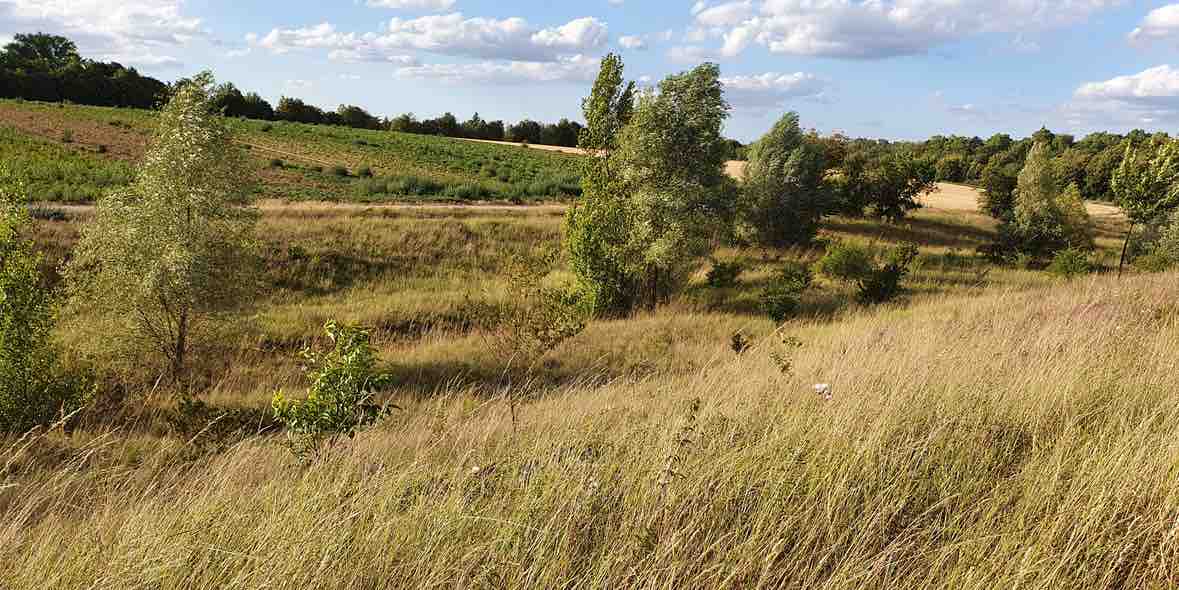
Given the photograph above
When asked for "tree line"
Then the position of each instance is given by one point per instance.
(48, 68)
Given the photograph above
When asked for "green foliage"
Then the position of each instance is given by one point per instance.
(1070, 263)
(782, 297)
(54, 173)
(35, 390)
(598, 227)
(886, 183)
(999, 180)
(1045, 219)
(538, 317)
(784, 192)
(48, 68)
(338, 403)
(724, 275)
(951, 168)
(884, 283)
(1146, 184)
(847, 261)
(166, 260)
(672, 156)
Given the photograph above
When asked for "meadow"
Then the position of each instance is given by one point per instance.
(993, 426)
(974, 437)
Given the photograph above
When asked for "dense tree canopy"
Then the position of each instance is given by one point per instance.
(48, 68)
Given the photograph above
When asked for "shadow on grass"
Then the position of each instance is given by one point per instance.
(923, 231)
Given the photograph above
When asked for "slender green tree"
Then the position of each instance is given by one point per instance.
(785, 195)
(1045, 219)
(672, 155)
(1146, 186)
(168, 259)
(597, 228)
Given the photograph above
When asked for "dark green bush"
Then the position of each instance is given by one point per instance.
(847, 261)
(783, 296)
(884, 283)
(276, 163)
(724, 275)
(1070, 263)
(339, 171)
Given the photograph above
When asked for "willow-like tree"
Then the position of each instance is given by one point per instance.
(1046, 219)
(784, 192)
(1146, 186)
(168, 259)
(672, 157)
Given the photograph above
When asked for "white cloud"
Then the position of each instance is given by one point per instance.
(725, 15)
(632, 42)
(129, 31)
(873, 29)
(1159, 24)
(773, 90)
(299, 84)
(1148, 97)
(451, 34)
(1157, 85)
(412, 4)
(576, 68)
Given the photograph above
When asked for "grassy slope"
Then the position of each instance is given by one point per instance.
(308, 153)
(973, 442)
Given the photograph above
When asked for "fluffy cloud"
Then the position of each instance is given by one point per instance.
(1155, 86)
(138, 32)
(1146, 98)
(577, 68)
(412, 4)
(773, 90)
(873, 29)
(451, 34)
(1159, 24)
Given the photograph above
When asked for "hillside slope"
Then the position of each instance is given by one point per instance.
(1014, 439)
(297, 161)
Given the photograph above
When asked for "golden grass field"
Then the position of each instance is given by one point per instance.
(994, 428)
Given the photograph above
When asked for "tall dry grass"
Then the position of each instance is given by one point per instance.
(1017, 439)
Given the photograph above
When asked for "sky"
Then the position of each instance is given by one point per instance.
(896, 69)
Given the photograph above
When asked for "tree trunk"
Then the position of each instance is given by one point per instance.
(1125, 248)
(181, 347)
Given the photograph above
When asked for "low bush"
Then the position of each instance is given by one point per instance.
(884, 283)
(276, 163)
(847, 262)
(339, 401)
(782, 298)
(365, 172)
(724, 275)
(1070, 263)
(339, 171)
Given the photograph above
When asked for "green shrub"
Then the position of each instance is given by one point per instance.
(724, 275)
(884, 283)
(783, 296)
(365, 172)
(267, 128)
(339, 171)
(1069, 263)
(34, 388)
(276, 163)
(847, 261)
(339, 401)
(67, 136)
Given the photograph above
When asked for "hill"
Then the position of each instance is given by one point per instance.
(295, 161)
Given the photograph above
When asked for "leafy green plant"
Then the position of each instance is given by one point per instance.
(724, 275)
(883, 284)
(847, 261)
(538, 318)
(35, 389)
(339, 401)
(1070, 263)
(783, 296)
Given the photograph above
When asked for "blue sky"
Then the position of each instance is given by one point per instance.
(897, 69)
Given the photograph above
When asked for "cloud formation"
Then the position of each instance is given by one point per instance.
(140, 32)
(877, 29)
(512, 39)
(773, 90)
(1160, 24)
(571, 69)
